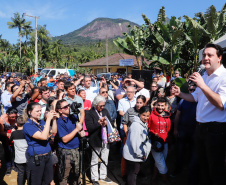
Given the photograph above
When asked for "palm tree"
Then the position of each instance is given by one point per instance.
(57, 51)
(20, 23)
(43, 37)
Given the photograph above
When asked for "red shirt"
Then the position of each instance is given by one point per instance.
(158, 124)
(87, 104)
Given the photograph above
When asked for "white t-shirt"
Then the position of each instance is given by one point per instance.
(143, 92)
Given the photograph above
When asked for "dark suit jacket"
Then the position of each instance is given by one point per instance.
(93, 127)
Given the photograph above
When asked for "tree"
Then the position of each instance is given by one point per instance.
(57, 51)
(213, 22)
(168, 39)
(20, 23)
(43, 38)
(134, 43)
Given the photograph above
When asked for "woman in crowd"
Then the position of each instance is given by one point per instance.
(138, 144)
(132, 112)
(87, 106)
(153, 90)
(38, 154)
(96, 123)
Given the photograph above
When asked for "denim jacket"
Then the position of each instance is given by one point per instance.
(110, 106)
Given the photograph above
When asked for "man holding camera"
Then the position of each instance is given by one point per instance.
(72, 97)
(19, 99)
(69, 131)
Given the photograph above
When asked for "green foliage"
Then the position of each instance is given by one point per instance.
(182, 83)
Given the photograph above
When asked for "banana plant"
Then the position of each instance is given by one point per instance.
(168, 36)
(134, 43)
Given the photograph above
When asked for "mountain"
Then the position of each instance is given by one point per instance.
(97, 30)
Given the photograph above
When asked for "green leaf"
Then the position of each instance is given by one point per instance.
(182, 83)
(160, 59)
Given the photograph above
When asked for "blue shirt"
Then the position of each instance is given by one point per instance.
(37, 79)
(188, 115)
(65, 127)
(6, 100)
(40, 146)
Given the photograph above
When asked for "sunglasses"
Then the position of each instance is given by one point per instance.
(153, 86)
(66, 106)
(104, 92)
(192, 90)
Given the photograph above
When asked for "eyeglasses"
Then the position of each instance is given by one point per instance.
(153, 86)
(104, 92)
(176, 73)
(130, 91)
(100, 105)
(66, 106)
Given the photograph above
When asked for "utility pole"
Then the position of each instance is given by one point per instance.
(36, 41)
(107, 52)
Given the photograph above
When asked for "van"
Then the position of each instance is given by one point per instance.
(54, 72)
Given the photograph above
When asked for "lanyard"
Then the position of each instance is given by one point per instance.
(99, 114)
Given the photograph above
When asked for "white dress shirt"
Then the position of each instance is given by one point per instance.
(91, 93)
(207, 112)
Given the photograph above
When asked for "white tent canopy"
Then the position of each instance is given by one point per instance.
(221, 41)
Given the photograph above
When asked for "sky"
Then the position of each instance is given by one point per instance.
(64, 16)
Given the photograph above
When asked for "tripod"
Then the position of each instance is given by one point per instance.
(82, 166)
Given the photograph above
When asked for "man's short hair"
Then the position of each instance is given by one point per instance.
(162, 100)
(20, 121)
(42, 79)
(141, 80)
(8, 84)
(42, 89)
(102, 88)
(60, 80)
(13, 87)
(217, 47)
(87, 76)
(67, 85)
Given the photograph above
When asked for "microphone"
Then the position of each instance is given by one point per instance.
(200, 70)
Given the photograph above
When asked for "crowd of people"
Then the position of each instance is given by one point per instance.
(43, 120)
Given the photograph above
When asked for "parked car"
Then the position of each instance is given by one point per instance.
(54, 72)
(107, 76)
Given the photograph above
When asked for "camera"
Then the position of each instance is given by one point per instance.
(75, 108)
(37, 160)
(108, 82)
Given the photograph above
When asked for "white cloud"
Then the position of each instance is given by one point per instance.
(49, 10)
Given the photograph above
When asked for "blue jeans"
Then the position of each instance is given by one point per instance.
(23, 174)
(42, 174)
(160, 159)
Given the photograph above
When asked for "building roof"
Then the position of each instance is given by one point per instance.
(113, 60)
